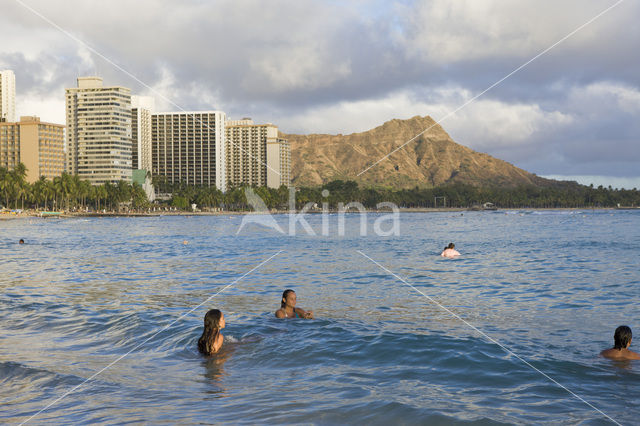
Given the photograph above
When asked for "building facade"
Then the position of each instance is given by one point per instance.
(38, 145)
(141, 109)
(190, 147)
(247, 152)
(99, 131)
(7, 96)
(253, 154)
(279, 161)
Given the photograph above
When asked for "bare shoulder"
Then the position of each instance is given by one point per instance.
(624, 354)
(633, 355)
(609, 353)
(280, 313)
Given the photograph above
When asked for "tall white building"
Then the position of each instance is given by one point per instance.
(141, 109)
(7, 96)
(247, 151)
(279, 162)
(99, 131)
(190, 147)
(255, 155)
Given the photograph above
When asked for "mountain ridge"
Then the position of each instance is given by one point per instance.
(431, 160)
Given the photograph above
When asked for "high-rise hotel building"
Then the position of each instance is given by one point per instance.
(190, 147)
(255, 155)
(7, 96)
(279, 161)
(99, 131)
(141, 109)
(247, 152)
(38, 145)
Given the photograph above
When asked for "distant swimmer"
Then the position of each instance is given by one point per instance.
(211, 340)
(622, 341)
(21, 241)
(288, 307)
(450, 251)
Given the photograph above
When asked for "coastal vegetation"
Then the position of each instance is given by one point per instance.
(563, 195)
(68, 192)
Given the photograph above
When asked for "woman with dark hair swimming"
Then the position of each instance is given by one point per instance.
(211, 340)
(450, 251)
(288, 307)
(621, 342)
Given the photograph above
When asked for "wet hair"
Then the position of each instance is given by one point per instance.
(284, 296)
(451, 245)
(21, 241)
(622, 337)
(210, 332)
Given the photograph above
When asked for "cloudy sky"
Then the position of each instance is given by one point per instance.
(347, 66)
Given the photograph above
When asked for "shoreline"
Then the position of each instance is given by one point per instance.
(71, 215)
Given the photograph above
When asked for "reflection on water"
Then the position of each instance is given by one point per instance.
(214, 371)
(551, 286)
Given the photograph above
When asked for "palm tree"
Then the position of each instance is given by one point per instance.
(123, 191)
(5, 184)
(62, 185)
(38, 191)
(67, 185)
(18, 184)
(83, 191)
(99, 193)
(49, 193)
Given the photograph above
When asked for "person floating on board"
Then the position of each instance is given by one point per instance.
(622, 341)
(450, 251)
(211, 340)
(288, 307)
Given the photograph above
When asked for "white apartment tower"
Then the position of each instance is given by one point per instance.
(247, 152)
(7, 96)
(141, 109)
(99, 131)
(255, 155)
(190, 147)
(279, 161)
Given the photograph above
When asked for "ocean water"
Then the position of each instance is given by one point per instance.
(100, 319)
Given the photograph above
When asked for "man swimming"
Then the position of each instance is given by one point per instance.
(288, 307)
(622, 341)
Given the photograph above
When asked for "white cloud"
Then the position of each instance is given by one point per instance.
(49, 108)
(600, 97)
(444, 31)
(485, 124)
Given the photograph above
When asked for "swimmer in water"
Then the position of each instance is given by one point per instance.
(21, 241)
(211, 340)
(288, 307)
(622, 341)
(450, 251)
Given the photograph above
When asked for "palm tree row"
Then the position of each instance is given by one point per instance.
(66, 192)
(69, 192)
(560, 195)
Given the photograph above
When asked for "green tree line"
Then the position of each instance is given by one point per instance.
(69, 192)
(65, 192)
(561, 195)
